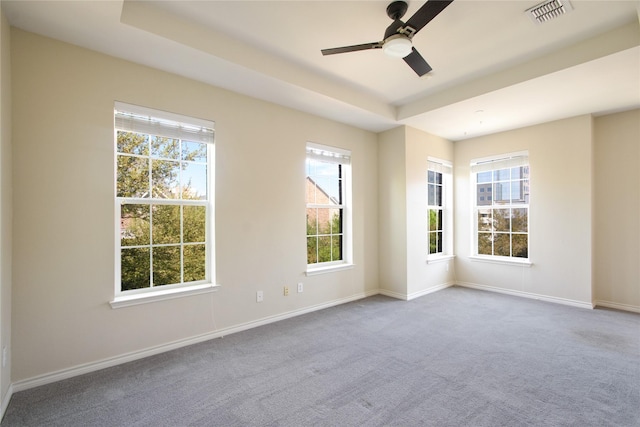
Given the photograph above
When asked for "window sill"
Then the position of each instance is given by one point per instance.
(165, 294)
(504, 261)
(328, 269)
(439, 258)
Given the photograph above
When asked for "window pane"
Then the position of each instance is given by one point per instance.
(516, 173)
(433, 243)
(517, 192)
(333, 190)
(133, 176)
(336, 248)
(312, 221)
(312, 250)
(166, 224)
(519, 220)
(134, 268)
(194, 181)
(166, 265)
(435, 220)
(166, 148)
(501, 175)
(484, 244)
(194, 151)
(324, 248)
(134, 225)
(165, 176)
(502, 220)
(438, 220)
(194, 263)
(501, 244)
(328, 181)
(431, 177)
(520, 245)
(501, 192)
(438, 178)
(194, 223)
(431, 195)
(324, 221)
(336, 221)
(438, 195)
(485, 221)
(133, 143)
(484, 177)
(481, 190)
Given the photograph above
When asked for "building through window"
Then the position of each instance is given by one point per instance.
(163, 199)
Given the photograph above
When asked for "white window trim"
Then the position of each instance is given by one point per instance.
(447, 211)
(434, 258)
(162, 295)
(496, 259)
(322, 269)
(476, 166)
(342, 156)
(149, 295)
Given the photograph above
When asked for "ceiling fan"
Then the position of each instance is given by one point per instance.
(397, 37)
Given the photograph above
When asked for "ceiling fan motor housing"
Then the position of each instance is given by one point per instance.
(397, 9)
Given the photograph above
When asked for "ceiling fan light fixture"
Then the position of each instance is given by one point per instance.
(397, 46)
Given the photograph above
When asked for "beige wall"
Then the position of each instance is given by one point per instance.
(392, 212)
(560, 239)
(5, 206)
(60, 101)
(422, 277)
(402, 171)
(617, 210)
(63, 100)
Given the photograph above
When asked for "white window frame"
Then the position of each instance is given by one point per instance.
(133, 118)
(342, 156)
(445, 168)
(493, 163)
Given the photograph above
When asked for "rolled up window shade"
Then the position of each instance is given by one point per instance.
(502, 163)
(328, 154)
(133, 118)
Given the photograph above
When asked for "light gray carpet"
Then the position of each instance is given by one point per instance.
(458, 357)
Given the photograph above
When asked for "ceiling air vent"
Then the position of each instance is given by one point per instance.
(549, 10)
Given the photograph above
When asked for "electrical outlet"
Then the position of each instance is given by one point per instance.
(300, 287)
(286, 291)
(259, 296)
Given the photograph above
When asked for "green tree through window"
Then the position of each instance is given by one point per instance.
(163, 194)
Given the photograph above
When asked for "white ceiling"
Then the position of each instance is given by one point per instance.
(493, 68)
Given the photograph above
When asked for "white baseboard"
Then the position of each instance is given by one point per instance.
(129, 357)
(393, 294)
(618, 306)
(529, 295)
(5, 401)
(423, 292)
(413, 295)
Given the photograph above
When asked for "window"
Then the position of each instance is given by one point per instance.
(439, 220)
(328, 206)
(163, 200)
(502, 219)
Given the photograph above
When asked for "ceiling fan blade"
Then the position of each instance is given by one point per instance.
(354, 48)
(426, 13)
(417, 63)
